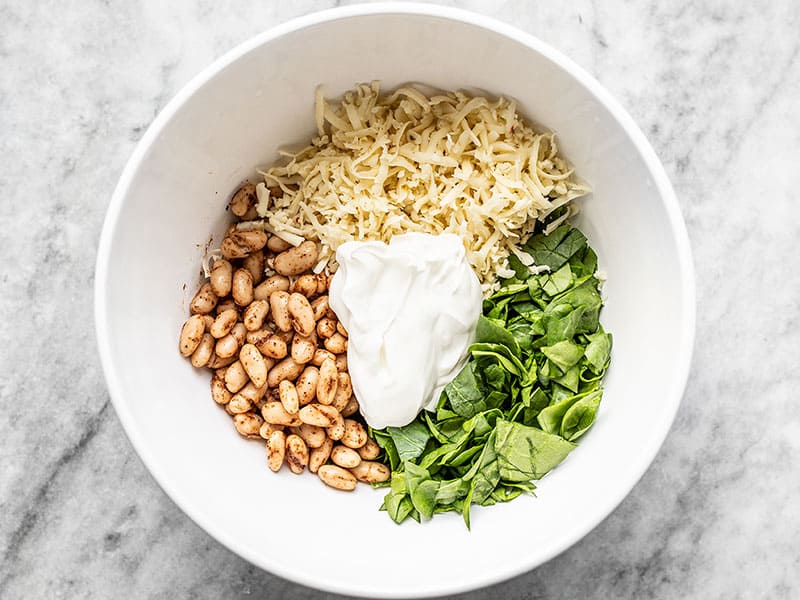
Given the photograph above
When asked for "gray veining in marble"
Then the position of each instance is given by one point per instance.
(715, 87)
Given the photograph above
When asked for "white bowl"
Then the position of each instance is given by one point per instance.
(171, 198)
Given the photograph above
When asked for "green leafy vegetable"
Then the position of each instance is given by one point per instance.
(493, 331)
(550, 418)
(530, 389)
(464, 393)
(525, 453)
(564, 354)
(557, 248)
(410, 440)
(558, 282)
(580, 416)
(598, 350)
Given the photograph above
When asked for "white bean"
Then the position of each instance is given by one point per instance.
(337, 477)
(254, 364)
(191, 334)
(302, 315)
(204, 300)
(242, 287)
(224, 322)
(297, 260)
(328, 382)
(276, 450)
(220, 277)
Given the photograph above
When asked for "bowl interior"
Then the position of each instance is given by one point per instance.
(172, 199)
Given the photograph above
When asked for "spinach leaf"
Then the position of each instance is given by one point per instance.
(525, 309)
(451, 491)
(498, 310)
(550, 418)
(509, 290)
(493, 331)
(398, 503)
(564, 354)
(525, 453)
(571, 379)
(521, 330)
(441, 455)
(496, 399)
(598, 350)
(558, 393)
(443, 413)
(584, 295)
(581, 416)
(495, 376)
(501, 354)
(421, 488)
(384, 440)
(557, 248)
(482, 423)
(444, 430)
(584, 263)
(465, 456)
(535, 291)
(409, 440)
(554, 284)
(467, 503)
(486, 474)
(521, 272)
(508, 491)
(558, 328)
(537, 400)
(464, 392)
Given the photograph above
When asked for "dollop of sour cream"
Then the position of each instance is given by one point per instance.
(410, 308)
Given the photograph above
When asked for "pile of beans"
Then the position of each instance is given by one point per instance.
(263, 326)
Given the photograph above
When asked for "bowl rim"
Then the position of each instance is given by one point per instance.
(673, 395)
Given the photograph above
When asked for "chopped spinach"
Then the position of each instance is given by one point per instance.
(530, 389)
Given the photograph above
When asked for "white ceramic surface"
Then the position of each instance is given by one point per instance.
(171, 198)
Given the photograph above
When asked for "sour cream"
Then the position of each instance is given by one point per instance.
(410, 308)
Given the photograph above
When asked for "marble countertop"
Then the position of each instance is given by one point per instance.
(714, 85)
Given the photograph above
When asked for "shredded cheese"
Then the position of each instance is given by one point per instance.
(209, 258)
(382, 165)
